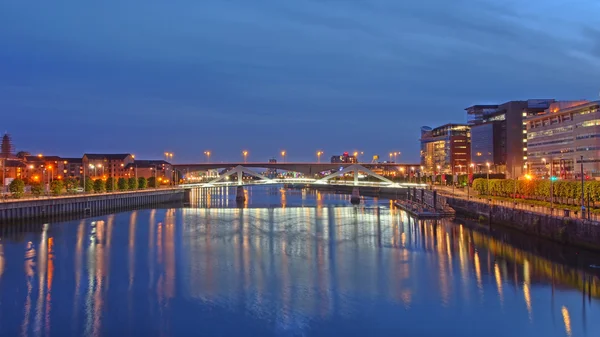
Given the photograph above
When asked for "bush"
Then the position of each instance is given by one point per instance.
(56, 186)
(89, 184)
(152, 182)
(71, 184)
(110, 184)
(17, 188)
(99, 186)
(132, 184)
(37, 189)
(142, 183)
(122, 184)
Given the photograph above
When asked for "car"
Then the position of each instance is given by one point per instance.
(79, 190)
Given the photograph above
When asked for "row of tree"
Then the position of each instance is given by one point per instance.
(538, 189)
(70, 185)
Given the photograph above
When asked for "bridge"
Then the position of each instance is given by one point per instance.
(239, 171)
(308, 169)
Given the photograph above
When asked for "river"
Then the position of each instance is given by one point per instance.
(289, 263)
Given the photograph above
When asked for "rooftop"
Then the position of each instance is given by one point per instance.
(107, 156)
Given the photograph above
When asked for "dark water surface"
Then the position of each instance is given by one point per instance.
(293, 263)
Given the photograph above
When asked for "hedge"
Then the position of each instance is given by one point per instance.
(538, 189)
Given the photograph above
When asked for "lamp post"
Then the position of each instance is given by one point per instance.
(421, 174)
(207, 153)
(412, 169)
(391, 154)
(551, 186)
(245, 154)
(283, 156)
(582, 186)
(319, 153)
(488, 179)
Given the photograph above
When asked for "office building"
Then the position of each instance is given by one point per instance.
(498, 134)
(445, 149)
(558, 138)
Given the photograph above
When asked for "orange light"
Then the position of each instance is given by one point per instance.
(40, 155)
(36, 178)
(528, 177)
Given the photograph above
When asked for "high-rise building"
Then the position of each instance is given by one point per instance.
(498, 134)
(445, 149)
(559, 137)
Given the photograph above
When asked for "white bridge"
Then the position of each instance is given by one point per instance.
(239, 171)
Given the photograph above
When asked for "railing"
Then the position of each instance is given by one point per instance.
(234, 182)
(47, 196)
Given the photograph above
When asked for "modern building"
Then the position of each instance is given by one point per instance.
(106, 165)
(558, 138)
(344, 158)
(445, 149)
(498, 134)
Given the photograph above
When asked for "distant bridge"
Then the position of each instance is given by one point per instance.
(238, 172)
(308, 169)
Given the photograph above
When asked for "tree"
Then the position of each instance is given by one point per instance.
(37, 189)
(89, 185)
(122, 184)
(99, 186)
(56, 186)
(23, 154)
(142, 183)
(17, 188)
(152, 182)
(132, 183)
(110, 184)
(71, 184)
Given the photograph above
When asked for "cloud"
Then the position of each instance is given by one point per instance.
(377, 67)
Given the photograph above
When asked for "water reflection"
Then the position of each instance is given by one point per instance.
(285, 270)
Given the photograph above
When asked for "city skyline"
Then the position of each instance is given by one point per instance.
(271, 76)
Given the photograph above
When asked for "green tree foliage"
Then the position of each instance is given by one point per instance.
(99, 186)
(17, 188)
(142, 183)
(37, 189)
(71, 184)
(132, 183)
(152, 182)
(110, 184)
(56, 187)
(538, 189)
(122, 184)
(89, 185)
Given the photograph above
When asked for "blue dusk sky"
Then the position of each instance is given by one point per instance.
(187, 76)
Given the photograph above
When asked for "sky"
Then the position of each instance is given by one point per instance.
(187, 76)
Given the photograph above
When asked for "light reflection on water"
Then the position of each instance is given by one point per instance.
(285, 263)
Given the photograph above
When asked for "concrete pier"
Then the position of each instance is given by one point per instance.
(355, 197)
(15, 210)
(241, 194)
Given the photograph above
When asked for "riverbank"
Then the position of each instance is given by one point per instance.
(85, 205)
(566, 230)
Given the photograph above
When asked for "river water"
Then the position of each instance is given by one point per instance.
(289, 263)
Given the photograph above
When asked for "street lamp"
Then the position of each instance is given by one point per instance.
(488, 178)
(245, 154)
(207, 153)
(319, 153)
(545, 168)
(421, 174)
(412, 169)
(283, 156)
(391, 154)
